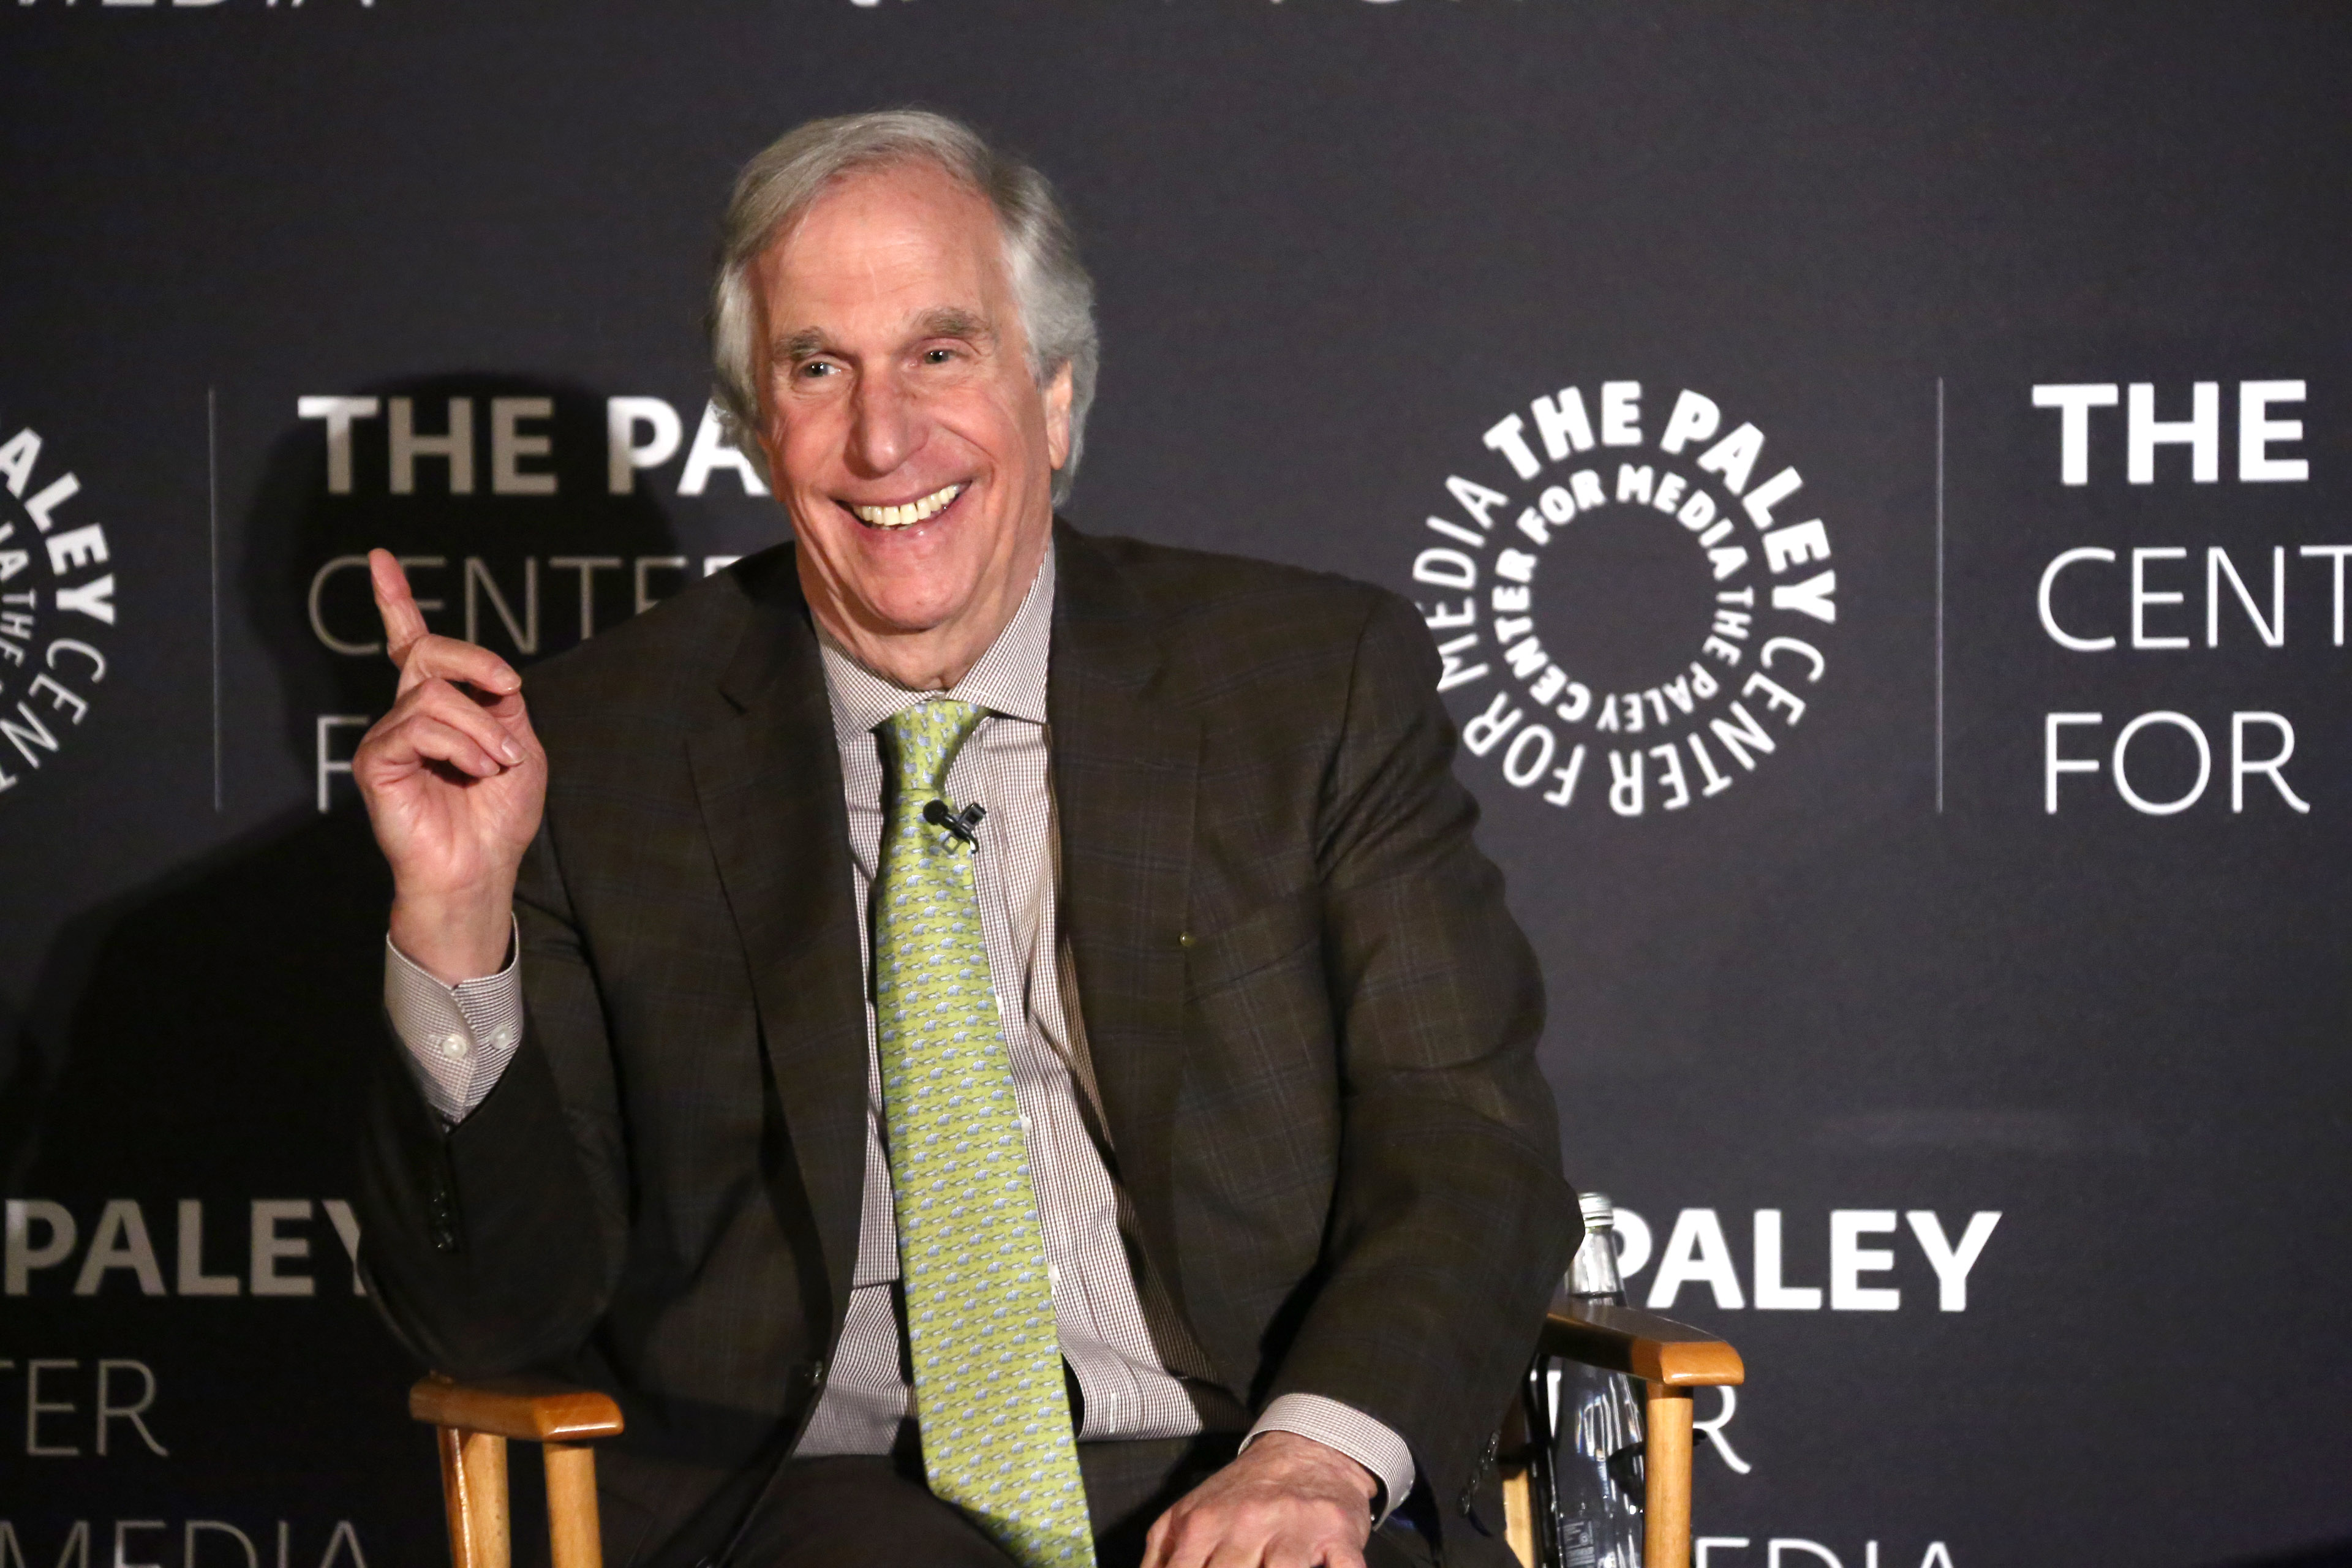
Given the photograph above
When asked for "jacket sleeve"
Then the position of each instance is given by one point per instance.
(493, 1245)
(1451, 1223)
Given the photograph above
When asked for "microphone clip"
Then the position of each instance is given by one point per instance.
(959, 824)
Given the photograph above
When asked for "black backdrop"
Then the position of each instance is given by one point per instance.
(1811, 1023)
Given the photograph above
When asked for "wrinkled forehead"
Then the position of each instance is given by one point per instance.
(882, 248)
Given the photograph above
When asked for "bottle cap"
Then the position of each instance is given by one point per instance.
(1599, 1212)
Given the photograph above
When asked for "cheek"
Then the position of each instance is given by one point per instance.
(805, 447)
(1010, 426)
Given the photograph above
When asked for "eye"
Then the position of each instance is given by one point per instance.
(817, 367)
(938, 356)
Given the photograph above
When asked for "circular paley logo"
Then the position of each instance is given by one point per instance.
(57, 608)
(1627, 611)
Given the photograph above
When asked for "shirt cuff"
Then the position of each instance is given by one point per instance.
(1353, 1433)
(459, 1037)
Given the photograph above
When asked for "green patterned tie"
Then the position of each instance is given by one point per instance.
(988, 1397)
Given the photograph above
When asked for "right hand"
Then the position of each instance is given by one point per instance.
(455, 782)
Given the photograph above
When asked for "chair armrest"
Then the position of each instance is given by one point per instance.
(530, 1409)
(1653, 1349)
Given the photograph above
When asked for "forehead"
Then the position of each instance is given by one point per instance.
(882, 245)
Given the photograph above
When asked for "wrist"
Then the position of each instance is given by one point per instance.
(455, 937)
(1296, 1448)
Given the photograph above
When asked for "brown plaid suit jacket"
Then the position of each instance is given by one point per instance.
(1312, 1022)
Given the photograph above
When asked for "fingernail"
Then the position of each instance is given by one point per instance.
(512, 753)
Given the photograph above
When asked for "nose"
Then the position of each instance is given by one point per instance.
(886, 425)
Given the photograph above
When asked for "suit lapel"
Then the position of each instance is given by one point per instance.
(769, 782)
(1125, 766)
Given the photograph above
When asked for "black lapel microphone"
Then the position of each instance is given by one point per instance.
(959, 824)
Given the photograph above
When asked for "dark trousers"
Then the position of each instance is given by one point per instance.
(860, 1512)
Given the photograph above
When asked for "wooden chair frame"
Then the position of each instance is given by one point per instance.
(476, 1420)
(1671, 1359)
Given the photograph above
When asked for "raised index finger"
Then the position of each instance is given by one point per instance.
(404, 623)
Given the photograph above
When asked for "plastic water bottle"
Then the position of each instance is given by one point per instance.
(1596, 1422)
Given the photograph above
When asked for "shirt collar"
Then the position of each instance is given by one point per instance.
(1009, 679)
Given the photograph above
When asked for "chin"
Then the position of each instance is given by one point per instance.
(913, 610)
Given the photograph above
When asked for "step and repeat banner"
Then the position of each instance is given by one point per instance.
(1876, 478)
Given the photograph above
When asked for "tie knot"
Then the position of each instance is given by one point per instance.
(922, 740)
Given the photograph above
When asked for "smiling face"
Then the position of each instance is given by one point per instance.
(901, 425)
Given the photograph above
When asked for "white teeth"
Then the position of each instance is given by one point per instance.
(913, 511)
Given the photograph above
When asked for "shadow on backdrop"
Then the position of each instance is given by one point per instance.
(202, 1038)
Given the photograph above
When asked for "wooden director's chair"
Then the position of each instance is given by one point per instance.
(475, 1419)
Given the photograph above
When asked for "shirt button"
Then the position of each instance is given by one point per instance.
(453, 1047)
(1025, 1121)
(1053, 1274)
(503, 1037)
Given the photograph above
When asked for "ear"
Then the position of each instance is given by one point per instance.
(761, 444)
(763, 429)
(762, 438)
(1057, 417)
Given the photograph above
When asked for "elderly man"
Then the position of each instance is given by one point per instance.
(989, 1041)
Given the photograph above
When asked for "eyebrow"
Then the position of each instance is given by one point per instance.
(953, 321)
(943, 321)
(804, 344)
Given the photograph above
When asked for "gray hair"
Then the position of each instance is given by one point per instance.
(1050, 287)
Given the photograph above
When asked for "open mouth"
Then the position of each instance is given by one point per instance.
(913, 513)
